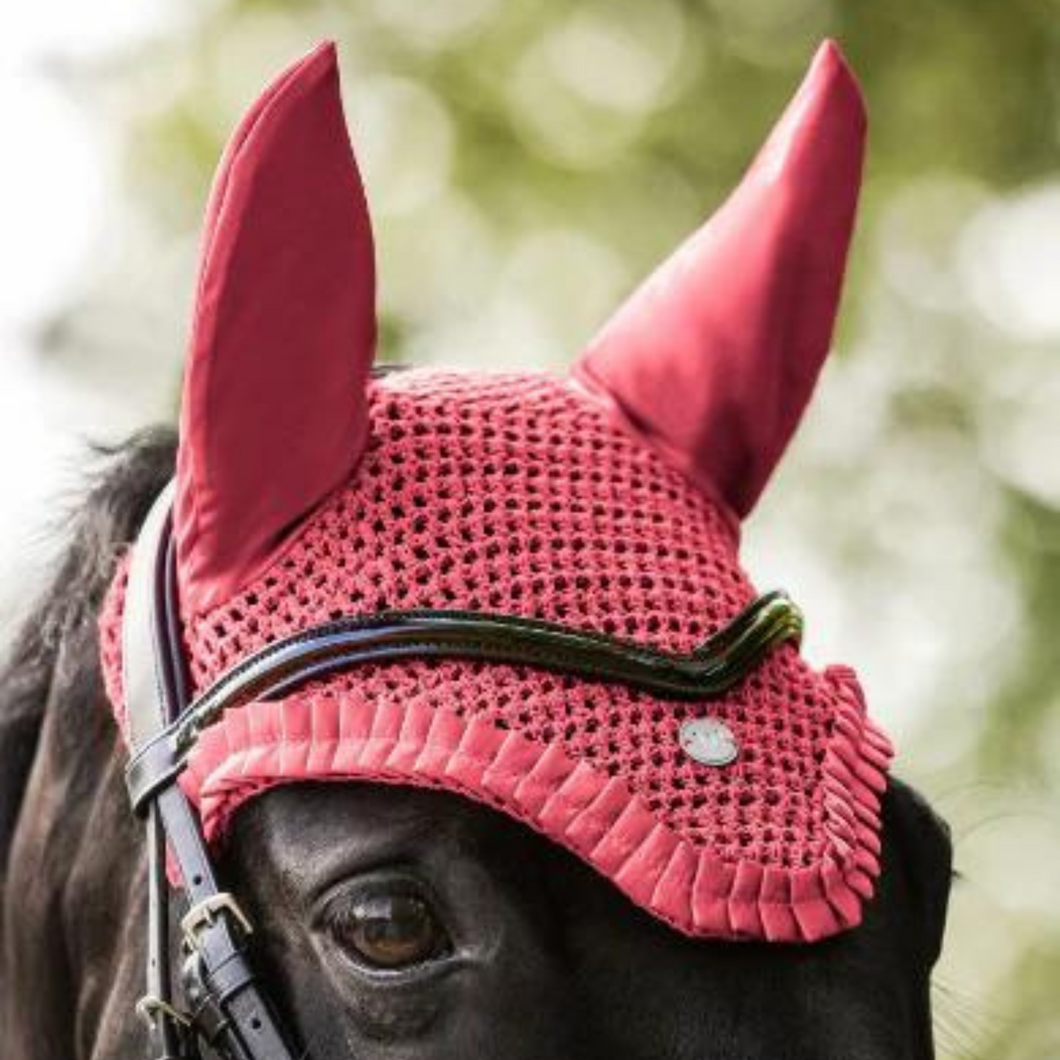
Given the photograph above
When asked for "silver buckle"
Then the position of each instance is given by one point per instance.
(206, 912)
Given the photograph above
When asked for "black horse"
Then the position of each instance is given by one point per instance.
(399, 923)
(554, 962)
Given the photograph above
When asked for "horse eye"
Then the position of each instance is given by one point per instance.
(391, 931)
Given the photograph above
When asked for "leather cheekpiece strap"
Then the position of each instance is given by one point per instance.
(242, 1026)
(150, 770)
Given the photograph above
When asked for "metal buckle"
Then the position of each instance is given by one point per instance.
(149, 1008)
(206, 912)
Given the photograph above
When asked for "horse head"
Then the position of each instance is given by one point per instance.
(569, 789)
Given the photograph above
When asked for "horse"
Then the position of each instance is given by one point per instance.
(631, 884)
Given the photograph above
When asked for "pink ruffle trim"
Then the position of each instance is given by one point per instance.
(596, 816)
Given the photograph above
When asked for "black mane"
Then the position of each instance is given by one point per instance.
(54, 653)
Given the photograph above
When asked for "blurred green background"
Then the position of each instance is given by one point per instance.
(527, 163)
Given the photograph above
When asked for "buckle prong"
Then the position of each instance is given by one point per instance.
(206, 912)
(150, 1008)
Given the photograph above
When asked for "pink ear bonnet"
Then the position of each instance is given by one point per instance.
(607, 501)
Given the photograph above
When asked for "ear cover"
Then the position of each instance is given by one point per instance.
(714, 358)
(274, 414)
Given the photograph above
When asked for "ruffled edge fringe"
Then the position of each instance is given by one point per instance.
(596, 816)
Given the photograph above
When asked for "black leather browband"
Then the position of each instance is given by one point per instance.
(388, 636)
(278, 668)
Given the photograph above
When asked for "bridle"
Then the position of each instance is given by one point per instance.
(222, 1003)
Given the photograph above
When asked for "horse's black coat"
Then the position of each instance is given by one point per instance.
(547, 960)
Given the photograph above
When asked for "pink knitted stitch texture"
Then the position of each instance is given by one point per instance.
(517, 494)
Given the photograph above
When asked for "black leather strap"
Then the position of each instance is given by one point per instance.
(242, 1026)
(278, 668)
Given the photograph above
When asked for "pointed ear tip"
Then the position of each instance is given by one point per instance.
(322, 62)
(829, 56)
(831, 67)
(325, 53)
(306, 83)
(319, 68)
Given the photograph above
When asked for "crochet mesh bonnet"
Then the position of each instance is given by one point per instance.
(607, 500)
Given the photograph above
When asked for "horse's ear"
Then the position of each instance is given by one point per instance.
(283, 335)
(713, 360)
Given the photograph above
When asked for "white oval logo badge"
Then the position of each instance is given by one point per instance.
(709, 742)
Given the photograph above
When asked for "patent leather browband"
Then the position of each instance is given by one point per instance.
(280, 667)
(164, 727)
(497, 638)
